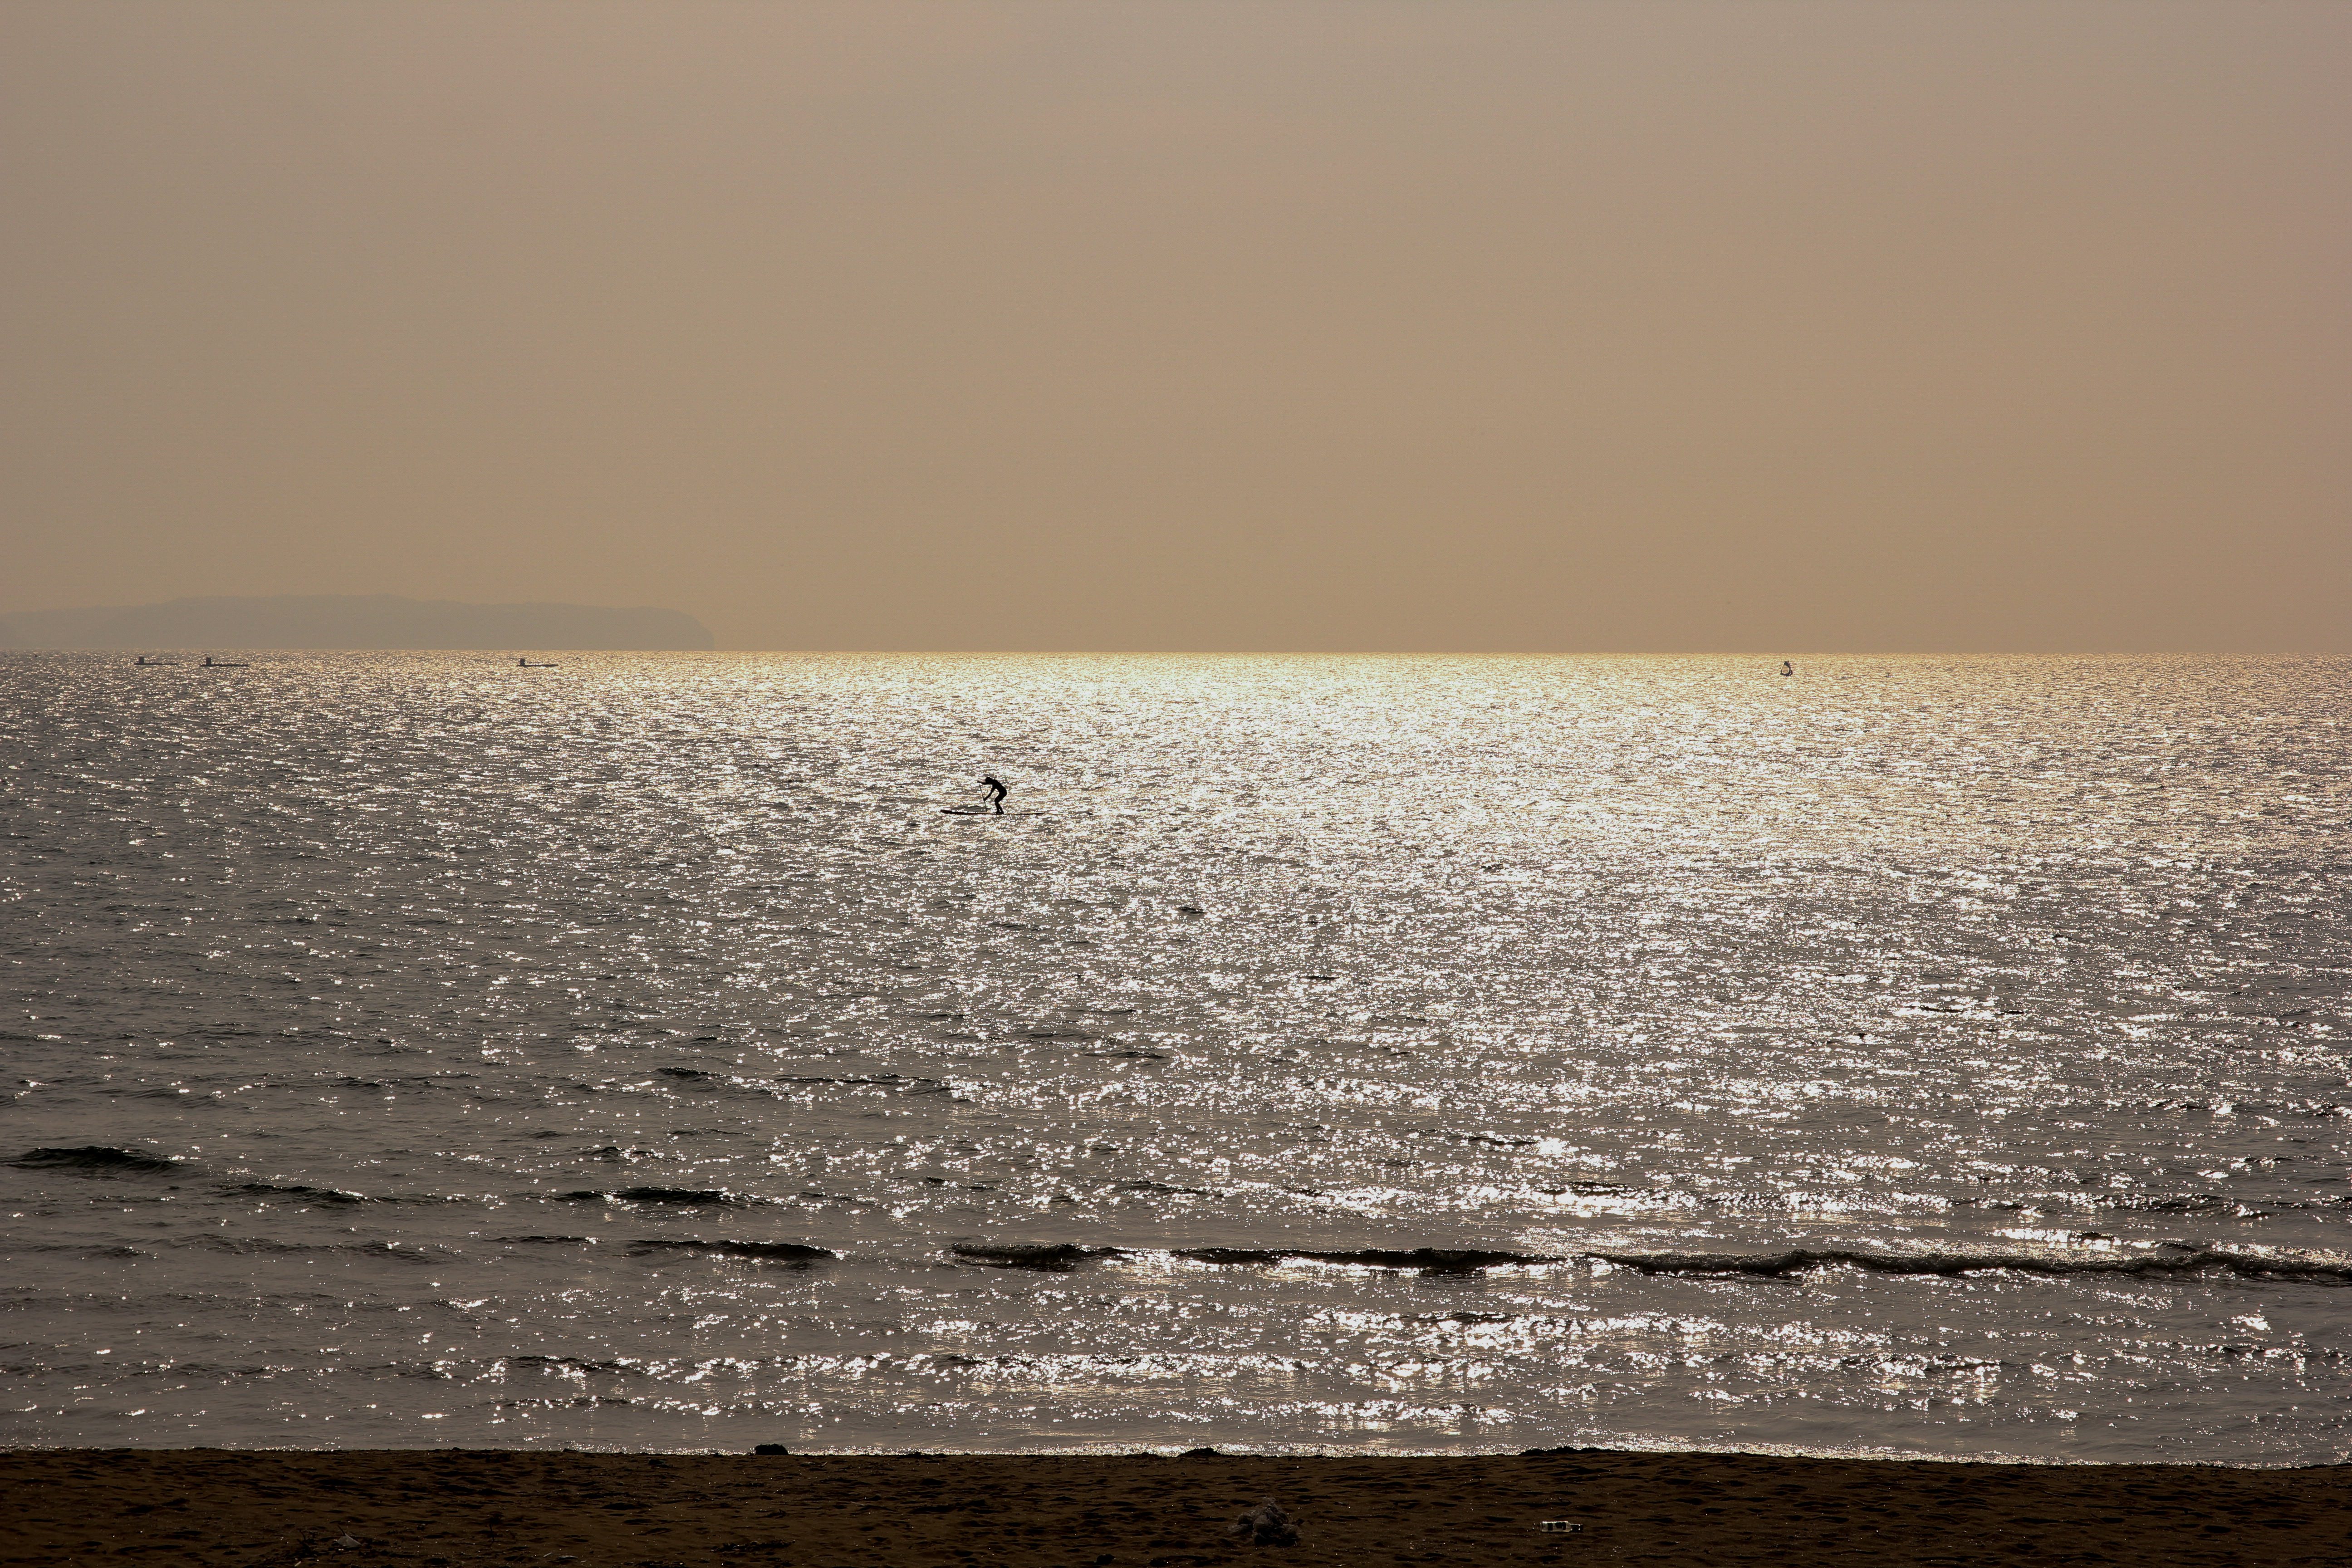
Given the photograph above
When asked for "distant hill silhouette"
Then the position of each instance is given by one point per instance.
(355, 621)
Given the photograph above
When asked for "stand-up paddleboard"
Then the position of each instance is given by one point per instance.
(219, 664)
(971, 811)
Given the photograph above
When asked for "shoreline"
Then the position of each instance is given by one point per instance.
(453, 1507)
(28, 1449)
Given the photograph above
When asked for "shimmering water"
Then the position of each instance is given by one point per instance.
(1928, 1056)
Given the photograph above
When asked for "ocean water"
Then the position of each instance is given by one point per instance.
(1917, 1056)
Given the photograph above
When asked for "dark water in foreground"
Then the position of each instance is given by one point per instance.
(1919, 1056)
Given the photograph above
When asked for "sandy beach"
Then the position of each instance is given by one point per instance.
(610, 1510)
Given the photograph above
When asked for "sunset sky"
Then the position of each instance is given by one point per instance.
(1282, 325)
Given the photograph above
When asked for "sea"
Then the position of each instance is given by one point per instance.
(1929, 1057)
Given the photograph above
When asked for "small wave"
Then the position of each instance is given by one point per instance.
(765, 1251)
(874, 1081)
(85, 1249)
(1051, 1257)
(1426, 1259)
(2253, 1106)
(777, 1087)
(250, 1246)
(2183, 1203)
(305, 1194)
(1797, 1259)
(567, 1363)
(695, 1197)
(95, 1157)
(1613, 1190)
(1063, 1256)
(547, 1240)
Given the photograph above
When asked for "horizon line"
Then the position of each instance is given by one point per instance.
(1244, 653)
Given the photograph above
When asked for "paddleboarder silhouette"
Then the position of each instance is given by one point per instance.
(995, 791)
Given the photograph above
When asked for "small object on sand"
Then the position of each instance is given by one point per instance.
(1266, 1525)
(1558, 1526)
(777, 1448)
(347, 1542)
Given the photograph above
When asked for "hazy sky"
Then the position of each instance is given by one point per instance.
(1773, 326)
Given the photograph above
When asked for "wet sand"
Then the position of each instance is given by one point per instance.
(451, 1508)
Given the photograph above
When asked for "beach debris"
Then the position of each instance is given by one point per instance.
(347, 1542)
(1558, 1526)
(775, 1449)
(1266, 1525)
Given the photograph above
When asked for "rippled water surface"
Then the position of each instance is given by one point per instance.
(1938, 1057)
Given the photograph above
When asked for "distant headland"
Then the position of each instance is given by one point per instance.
(354, 621)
